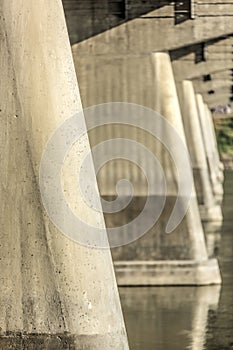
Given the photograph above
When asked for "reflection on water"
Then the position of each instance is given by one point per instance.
(180, 318)
(171, 318)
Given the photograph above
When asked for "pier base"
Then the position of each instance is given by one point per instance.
(167, 272)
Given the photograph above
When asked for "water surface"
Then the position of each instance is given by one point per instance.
(180, 318)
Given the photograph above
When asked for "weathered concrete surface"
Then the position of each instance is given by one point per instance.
(55, 293)
(88, 18)
(116, 76)
(135, 79)
(213, 143)
(209, 211)
(117, 66)
(127, 46)
(182, 272)
(214, 84)
(221, 91)
(221, 100)
(118, 59)
(221, 94)
(187, 241)
(107, 78)
(215, 175)
(158, 32)
(218, 57)
(213, 139)
(188, 70)
(37, 342)
(215, 77)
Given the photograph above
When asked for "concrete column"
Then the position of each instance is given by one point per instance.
(217, 186)
(209, 211)
(56, 293)
(158, 258)
(218, 163)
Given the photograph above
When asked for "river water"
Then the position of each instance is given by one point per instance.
(180, 318)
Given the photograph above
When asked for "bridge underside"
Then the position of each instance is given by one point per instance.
(198, 36)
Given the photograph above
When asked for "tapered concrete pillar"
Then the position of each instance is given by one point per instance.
(217, 186)
(209, 211)
(158, 258)
(55, 293)
(218, 164)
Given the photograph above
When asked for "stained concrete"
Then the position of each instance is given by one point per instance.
(156, 31)
(189, 70)
(158, 258)
(116, 69)
(214, 172)
(123, 74)
(217, 58)
(55, 293)
(212, 81)
(209, 210)
(213, 139)
(213, 85)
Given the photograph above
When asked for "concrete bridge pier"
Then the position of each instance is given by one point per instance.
(55, 293)
(209, 210)
(214, 173)
(219, 165)
(158, 258)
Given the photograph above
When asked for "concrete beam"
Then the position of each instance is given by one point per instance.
(140, 34)
(217, 97)
(225, 90)
(217, 76)
(212, 85)
(222, 101)
(106, 78)
(217, 100)
(189, 70)
(216, 55)
(217, 81)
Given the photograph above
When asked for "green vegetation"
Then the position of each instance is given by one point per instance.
(224, 129)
